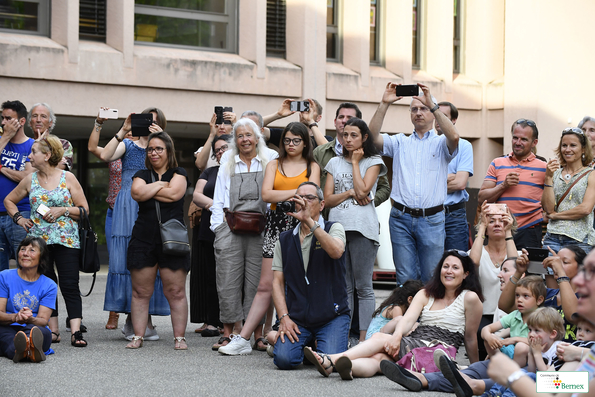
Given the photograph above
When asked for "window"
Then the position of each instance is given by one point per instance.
(190, 23)
(374, 31)
(92, 20)
(276, 11)
(416, 61)
(29, 16)
(456, 39)
(332, 31)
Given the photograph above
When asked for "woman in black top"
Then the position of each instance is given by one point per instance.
(145, 254)
(204, 301)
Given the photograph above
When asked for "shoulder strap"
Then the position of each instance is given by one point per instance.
(588, 171)
(156, 202)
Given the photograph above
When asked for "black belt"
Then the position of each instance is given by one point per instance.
(3, 213)
(417, 212)
(454, 207)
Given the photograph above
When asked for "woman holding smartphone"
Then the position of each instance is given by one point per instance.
(349, 193)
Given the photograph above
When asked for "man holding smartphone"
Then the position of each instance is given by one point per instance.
(15, 148)
(459, 171)
(517, 180)
(419, 185)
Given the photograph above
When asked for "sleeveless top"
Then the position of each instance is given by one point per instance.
(64, 230)
(578, 229)
(376, 324)
(283, 182)
(451, 317)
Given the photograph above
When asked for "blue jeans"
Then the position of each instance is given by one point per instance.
(418, 244)
(558, 241)
(331, 338)
(498, 390)
(11, 236)
(457, 230)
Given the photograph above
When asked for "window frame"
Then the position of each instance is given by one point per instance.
(336, 29)
(231, 7)
(379, 42)
(457, 56)
(277, 52)
(91, 36)
(418, 41)
(43, 20)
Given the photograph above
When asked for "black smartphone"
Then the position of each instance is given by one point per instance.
(227, 109)
(407, 90)
(141, 123)
(219, 113)
(299, 106)
(536, 257)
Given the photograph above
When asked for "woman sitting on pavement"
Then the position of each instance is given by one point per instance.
(498, 228)
(27, 299)
(449, 309)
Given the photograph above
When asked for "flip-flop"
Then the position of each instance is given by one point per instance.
(220, 343)
(260, 349)
(343, 367)
(309, 354)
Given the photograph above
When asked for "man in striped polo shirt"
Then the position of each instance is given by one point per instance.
(517, 180)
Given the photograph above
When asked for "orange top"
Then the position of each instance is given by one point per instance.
(283, 182)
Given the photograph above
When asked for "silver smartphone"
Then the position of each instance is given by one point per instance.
(108, 113)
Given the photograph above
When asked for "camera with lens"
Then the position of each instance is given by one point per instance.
(286, 206)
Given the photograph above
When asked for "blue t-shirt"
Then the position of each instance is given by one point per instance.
(14, 156)
(32, 294)
(462, 162)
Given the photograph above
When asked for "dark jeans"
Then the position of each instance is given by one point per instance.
(457, 230)
(7, 333)
(67, 264)
(530, 237)
(478, 370)
(331, 338)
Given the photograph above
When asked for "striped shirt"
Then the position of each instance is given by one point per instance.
(524, 200)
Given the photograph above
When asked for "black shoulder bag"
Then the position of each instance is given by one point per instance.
(88, 256)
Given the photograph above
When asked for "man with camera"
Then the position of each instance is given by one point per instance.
(419, 188)
(309, 289)
(517, 179)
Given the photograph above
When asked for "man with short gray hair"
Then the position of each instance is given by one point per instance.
(41, 118)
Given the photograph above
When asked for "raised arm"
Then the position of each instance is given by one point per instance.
(307, 118)
(447, 127)
(507, 296)
(202, 158)
(389, 97)
(115, 148)
(283, 111)
(93, 143)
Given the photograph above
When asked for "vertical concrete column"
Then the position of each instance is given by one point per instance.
(120, 29)
(398, 30)
(438, 36)
(65, 26)
(305, 32)
(252, 33)
(356, 38)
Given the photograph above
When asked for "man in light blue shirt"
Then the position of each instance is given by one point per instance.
(459, 171)
(419, 183)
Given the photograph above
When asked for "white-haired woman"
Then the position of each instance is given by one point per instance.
(237, 198)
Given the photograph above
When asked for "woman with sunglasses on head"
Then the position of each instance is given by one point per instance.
(282, 177)
(448, 308)
(349, 193)
(569, 193)
(204, 302)
(161, 186)
(118, 289)
(498, 229)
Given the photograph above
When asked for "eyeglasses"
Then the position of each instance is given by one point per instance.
(221, 149)
(422, 109)
(530, 123)
(309, 197)
(157, 150)
(296, 141)
(573, 130)
(464, 254)
(587, 272)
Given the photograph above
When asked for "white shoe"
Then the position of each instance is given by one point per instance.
(128, 331)
(437, 354)
(237, 346)
(151, 334)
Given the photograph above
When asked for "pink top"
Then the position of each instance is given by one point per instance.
(115, 181)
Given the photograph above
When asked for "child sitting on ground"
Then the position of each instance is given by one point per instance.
(571, 354)
(530, 294)
(388, 314)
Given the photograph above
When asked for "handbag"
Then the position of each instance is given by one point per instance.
(88, 255)
(421, 359)
(174, 234)
(240, 222)
(569, 188)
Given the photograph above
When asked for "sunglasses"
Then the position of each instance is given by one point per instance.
(573, 130)
(530, 123)
(464, 254)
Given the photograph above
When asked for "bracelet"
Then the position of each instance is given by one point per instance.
(281, 318)
(481, 237)
(98, 126)
(514, 282)
(435, 108)
(16, 217)
(509, 238)
(516, 375)
(118, 138)
(546, 185)
(562, 279)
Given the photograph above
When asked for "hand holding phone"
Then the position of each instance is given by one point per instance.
(407, 90)
(536, 258)
(141, 123)
(299, 106)
(107, 113)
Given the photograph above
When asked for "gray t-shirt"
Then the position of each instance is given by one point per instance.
(349, 213)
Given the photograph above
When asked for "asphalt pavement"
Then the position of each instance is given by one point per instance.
(106, 368)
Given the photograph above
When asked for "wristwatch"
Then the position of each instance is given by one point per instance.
(516, 375)
(313, 125)
(315, 226)
(436, 107)
(67, 213)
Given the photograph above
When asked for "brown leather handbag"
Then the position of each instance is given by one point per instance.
(240, 222)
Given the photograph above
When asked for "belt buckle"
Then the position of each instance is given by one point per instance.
(419, 212)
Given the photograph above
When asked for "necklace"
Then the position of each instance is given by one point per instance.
(571, 174)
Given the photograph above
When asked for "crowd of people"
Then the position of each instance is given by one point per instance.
(285, 236)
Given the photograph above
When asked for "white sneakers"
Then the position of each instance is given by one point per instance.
(237, 346)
